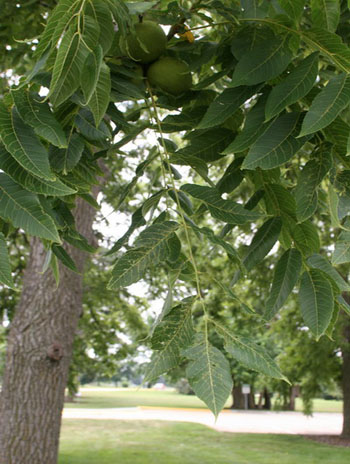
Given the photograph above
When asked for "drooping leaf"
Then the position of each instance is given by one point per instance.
(326, 106)
(208, 373)
(100, 97)
(21, 141)
(316, 301)
(69, 62)
(329, 45)
(325, 14)
(276, 145)
(64, 257)
(267, 60)
(173, 333)
(152, 249)
(56, 24)
(247, 352)
(262, 242)
(102, 15)
(285, 277)
(23, 209)
(5, 268)
(64, 160)
(224, 210)
(320, 262)
(29, 182)
(342, 249)
(91, 72)
(225, 105)
(296, 85)
(39, 116)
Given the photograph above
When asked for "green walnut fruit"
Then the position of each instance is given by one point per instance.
(148, 42)
(170, 75)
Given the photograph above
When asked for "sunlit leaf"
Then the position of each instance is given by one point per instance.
(208, 373)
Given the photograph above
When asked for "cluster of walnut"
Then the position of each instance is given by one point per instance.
(146, 46)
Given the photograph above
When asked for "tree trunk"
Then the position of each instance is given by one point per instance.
(238, 397)
(346, 380)
(39, 351)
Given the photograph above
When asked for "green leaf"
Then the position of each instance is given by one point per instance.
(266, 61)
(34, 184)
(5, 268)
(285, 277)
(152, 249)
(91, 72)
(64, 257)
(342, 249)
(215, 240)
(102, 15)
(66, 160)
(320, 262)
(23, 209)
(308, 181)
(172, 334)
(253, 128)
(225, 105)
(208, 373)
(56, 24)
(293, 8)
(85, 123)
(327, 104)
(316, 301)
(338, 133)
(69, 62)
(205, 145)
(249, 353)
(325, 14)
(21, 141)
(39, 116)
(276, 145)
(296, 85)
(280, 202)
(329, 45)
(262, 242)
(306, 238)
(333, 202)
(99, 100)
(224, 210)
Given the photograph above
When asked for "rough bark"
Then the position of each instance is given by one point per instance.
(39, 351)
(346, 381)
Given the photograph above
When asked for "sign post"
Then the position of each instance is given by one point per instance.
(245, 391)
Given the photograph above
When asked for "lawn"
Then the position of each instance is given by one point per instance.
(156, 442)
(100, 398)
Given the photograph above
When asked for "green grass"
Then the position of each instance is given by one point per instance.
(144, 397)
(156, 442)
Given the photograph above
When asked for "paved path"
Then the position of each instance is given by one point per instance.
(321, 423)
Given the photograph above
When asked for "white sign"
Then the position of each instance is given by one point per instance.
(245, 389)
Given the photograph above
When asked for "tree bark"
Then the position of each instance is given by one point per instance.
(238, 397)
(39, 351)
(346, 380)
